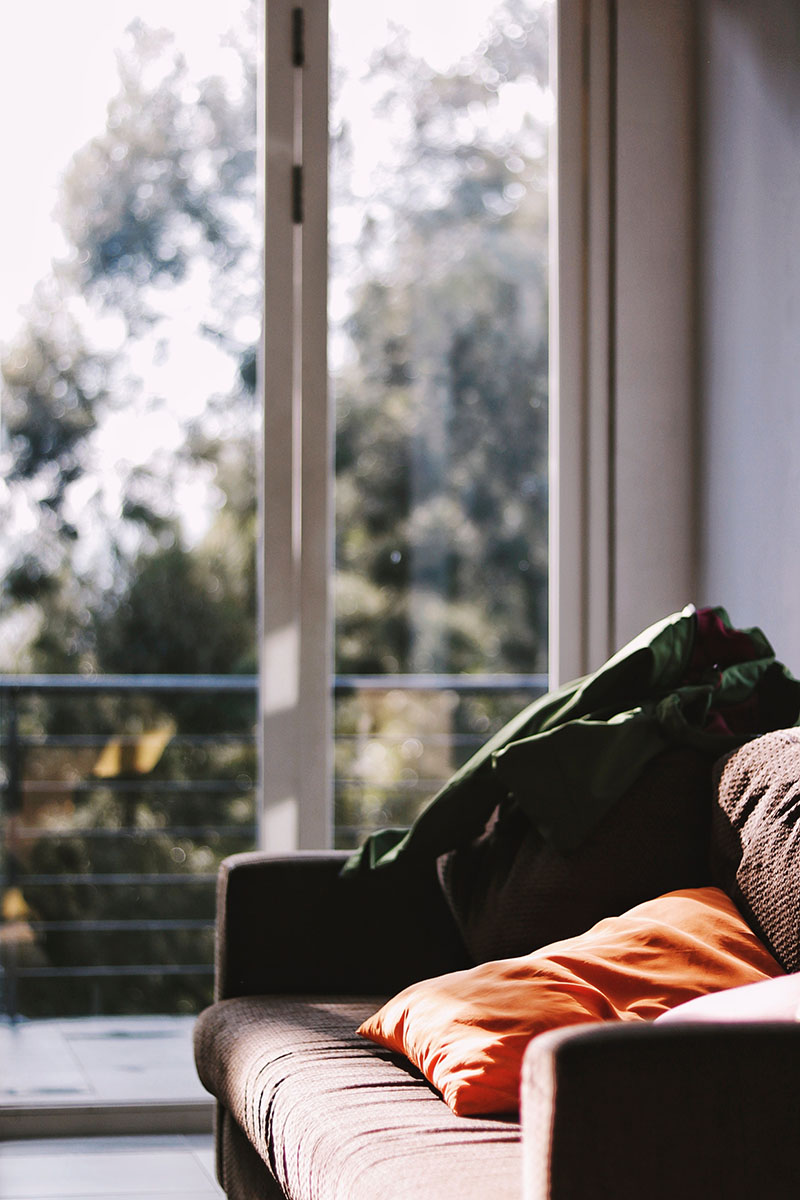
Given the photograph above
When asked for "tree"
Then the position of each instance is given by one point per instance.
(441, 408)
(442, 412)
(160, 213)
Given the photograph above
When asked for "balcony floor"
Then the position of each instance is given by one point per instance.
(109, 1168)
(64, 1082)
(106, 1075)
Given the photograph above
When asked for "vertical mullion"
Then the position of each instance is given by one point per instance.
(316, 454)
(624, 504)
(599, 333)
(582, 548)
(655, 318)
(568, 367)
(294, 557)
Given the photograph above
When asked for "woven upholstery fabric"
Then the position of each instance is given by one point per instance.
(337, 1119)
(242, 1173)
(756, 838)
(511, 892)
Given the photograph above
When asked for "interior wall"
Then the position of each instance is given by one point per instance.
(623, 481)
(654, 325)
(749, 181)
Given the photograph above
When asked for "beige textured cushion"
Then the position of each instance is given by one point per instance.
(756, 838)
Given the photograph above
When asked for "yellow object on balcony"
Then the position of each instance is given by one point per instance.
(133, 755)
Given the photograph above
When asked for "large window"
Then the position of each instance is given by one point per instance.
(435, 213)
(403, 512)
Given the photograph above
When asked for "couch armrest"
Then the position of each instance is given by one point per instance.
(697, 1111)
(294, 923)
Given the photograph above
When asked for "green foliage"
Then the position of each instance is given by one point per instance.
(166, 181)
(175, 617)
(158, 210)
(135, 851)
(441, 435)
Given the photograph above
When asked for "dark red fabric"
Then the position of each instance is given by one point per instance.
(718, 646)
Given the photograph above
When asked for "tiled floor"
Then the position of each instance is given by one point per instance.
(103, 1076)
(104, 1168)
(105, 1059)
(100, 1075)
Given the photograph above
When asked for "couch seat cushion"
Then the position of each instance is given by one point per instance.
(333, 1116)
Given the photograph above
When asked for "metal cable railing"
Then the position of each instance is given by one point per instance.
(121, 794)
(115, 814)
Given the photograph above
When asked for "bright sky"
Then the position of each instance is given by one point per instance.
(57, 72)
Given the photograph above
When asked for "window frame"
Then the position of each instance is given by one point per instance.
(625, 326)
(623, 377)
(295, 545)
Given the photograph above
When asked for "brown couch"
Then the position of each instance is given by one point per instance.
(650, 1111)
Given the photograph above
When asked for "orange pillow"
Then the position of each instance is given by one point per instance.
(467, 1031)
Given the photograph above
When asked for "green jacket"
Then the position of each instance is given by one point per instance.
(691, 679)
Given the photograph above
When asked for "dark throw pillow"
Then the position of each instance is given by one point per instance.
(511, 892)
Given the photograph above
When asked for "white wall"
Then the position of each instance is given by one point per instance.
(749, 177)
(654, 319)
(623, 482)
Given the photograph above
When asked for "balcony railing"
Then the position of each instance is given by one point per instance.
(121, 795)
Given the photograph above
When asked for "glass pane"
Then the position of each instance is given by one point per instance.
(439, 354)
(128, 329)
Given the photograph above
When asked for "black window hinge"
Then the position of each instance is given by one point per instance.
(297, 195)
(298, 38)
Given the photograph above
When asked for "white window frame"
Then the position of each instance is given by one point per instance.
(295, 549)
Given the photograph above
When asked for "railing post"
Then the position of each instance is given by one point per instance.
(13, 791)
